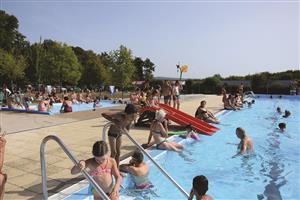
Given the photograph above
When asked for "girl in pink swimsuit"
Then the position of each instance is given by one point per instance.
(101, 167)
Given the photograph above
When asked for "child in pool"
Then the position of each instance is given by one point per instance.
(282, 126)
(139, 171)
(190, 133)
(199, 189)
(101, 167)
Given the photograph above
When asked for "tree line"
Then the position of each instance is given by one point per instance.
(55, 63)
(264, 83)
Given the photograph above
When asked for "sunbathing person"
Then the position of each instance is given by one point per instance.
(205, 115)
(139, 171)
(160, 134)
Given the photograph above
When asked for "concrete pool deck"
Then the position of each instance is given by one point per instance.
(77, 130)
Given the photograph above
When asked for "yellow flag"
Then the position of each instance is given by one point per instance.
(184, 68)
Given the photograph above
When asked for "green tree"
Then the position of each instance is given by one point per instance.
(143, 69)
(58, 64)
(8, 30)
(260, 82)
(122, 67)
(139, 69)
(11, 40)
(11, 69)
(211, 85)
(94, 72)
(149, 68)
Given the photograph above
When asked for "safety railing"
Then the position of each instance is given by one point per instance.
(74, 160)
(106, 126)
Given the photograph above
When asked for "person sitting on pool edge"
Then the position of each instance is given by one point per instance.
(282, 126)
(205, 115)
(199, 189)
(139, 171)
(160, 134)
(246, 144)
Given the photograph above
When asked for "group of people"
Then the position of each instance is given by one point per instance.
(282, 125)
(103, 168)
(151, 96)
(45, 101)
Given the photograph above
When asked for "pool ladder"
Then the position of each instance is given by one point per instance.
(105, 128)
(75, 161)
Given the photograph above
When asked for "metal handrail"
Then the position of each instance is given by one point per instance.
(149, 156)
(75, 161)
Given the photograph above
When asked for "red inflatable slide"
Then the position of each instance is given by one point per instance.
(184, 119)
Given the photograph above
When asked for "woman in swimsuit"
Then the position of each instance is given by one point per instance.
(101, 167)
(159, 132)
(139, 171)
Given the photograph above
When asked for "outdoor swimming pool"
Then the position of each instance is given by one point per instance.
(55, 110)
(83, 106)
(271, 173)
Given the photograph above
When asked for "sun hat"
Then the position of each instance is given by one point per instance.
(160, 115)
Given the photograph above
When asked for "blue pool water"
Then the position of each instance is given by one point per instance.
(55, 110)
(271, 173)
(82, 107)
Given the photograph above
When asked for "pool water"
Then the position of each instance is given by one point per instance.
(82, 107)
(272, 172)
(55, 110)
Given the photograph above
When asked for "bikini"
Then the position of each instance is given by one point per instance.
(98, 172)
(160, 134)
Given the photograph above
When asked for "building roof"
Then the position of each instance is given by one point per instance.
(246, 83)
(168, 78)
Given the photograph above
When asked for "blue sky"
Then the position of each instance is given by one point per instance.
(228, 38)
